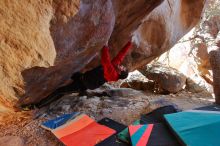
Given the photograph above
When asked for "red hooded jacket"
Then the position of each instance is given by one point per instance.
(110, 73)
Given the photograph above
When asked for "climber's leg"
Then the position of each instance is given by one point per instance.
(49, 99)
(75, 86)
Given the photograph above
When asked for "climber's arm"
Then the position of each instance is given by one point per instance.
(105, 58)
(110, 73)
(121, 55)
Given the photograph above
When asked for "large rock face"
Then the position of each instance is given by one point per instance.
(163, 28)
(79, 40)
(43, 42)
(25, 41)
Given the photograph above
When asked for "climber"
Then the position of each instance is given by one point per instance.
(108, 71)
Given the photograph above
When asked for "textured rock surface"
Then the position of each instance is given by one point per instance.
(214, 56)
(209, 52)
(163, 28)
(124, 105)
(193, 87)
(81, 38)
(139, 85)
(121, 34)
(77, 41)
(25, 41)
(11, 141)
(213, 33)
(165, 78)
(43, 42)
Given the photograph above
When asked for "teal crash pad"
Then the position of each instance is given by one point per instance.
(196, 128)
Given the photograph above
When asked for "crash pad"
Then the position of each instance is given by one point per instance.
(59, 121)
(88, 136)
(112, 140)
(72, 126)
(118, 127)
(212, 107)
(161, 135)
(196, 127)
(157, 115)
(82, 131)
(140, 134)
(124, 135)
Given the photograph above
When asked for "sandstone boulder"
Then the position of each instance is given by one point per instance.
(25, 42)
(43, 43)
(193, 87)
(165, 78)
(139, 85)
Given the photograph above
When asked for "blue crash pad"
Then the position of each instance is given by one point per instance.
(59, 121)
